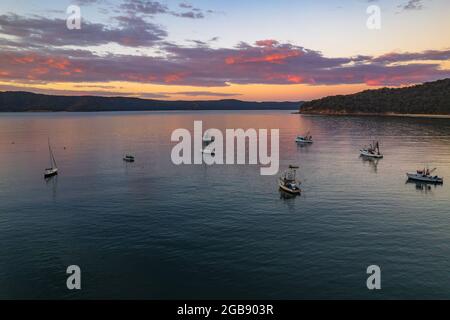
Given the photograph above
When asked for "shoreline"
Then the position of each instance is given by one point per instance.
(389, 114)
(153, 110)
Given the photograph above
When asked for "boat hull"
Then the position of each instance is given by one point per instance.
(209, 152)
(364, 153)
(422, 178)
(301, 140)
(288, 190)
(128, 158)
(50, 173)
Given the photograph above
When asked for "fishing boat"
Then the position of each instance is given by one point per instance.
(425, 175)
(288, 181)
(307, 138)
(373, 151)
(128, 158)
(53, 169)
(209, 151)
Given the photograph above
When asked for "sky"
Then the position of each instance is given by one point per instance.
(272, 50)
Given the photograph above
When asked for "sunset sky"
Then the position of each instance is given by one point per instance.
(270, 50)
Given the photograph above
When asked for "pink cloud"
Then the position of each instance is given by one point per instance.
(204, 66)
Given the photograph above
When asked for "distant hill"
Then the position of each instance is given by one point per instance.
(18, 101)
(428, 98)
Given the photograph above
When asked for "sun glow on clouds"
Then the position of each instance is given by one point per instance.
(249, 92)
(133, 55)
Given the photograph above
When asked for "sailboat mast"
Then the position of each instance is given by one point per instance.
(52, 158)
(50, 153)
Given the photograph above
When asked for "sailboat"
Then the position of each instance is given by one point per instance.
(52, 170)
(373, 151)
(128, 158)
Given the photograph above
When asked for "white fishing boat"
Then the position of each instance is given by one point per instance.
(425, 175)
(305, 139)
(53, 169)
(288, 181)
(128, 158)
(373, 151)
(209, 151)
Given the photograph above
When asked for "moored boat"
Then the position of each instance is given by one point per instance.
(53, 169)
(373, 151)
(50, 172)
(425, 175)
(305, 139)
(209, 151)
(288, 181)
(128, 158)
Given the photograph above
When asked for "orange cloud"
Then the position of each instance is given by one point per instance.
(277, 57)
(60, 64)
(175, 77)
(25, 59)
(292, 78)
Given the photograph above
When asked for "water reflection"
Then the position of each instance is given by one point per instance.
(373, 163)
(286, 195)
(52, 182)
(424, 187)
(305, 146)
(215, 218)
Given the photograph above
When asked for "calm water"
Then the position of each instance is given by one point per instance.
(153, 230)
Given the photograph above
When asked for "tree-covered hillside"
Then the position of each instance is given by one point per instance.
(428, 98)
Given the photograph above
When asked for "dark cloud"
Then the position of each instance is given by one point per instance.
(412, 5)
(426, 55)
(185, 5)
(149, 7)
(189, 14)
(132, 31)
(144, 7)
(198, 42)
(88, 2)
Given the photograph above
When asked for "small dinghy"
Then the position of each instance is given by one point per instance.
(128, 158)
(305, 139)
(425, 176)
(52, 170)
(288, 181)
(373, 151)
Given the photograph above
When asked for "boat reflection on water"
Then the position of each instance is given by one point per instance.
(52, 182)
(372, 162)
(423, 187)
(304, 146)
(286, 195)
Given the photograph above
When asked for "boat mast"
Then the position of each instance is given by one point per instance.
(52, 157)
